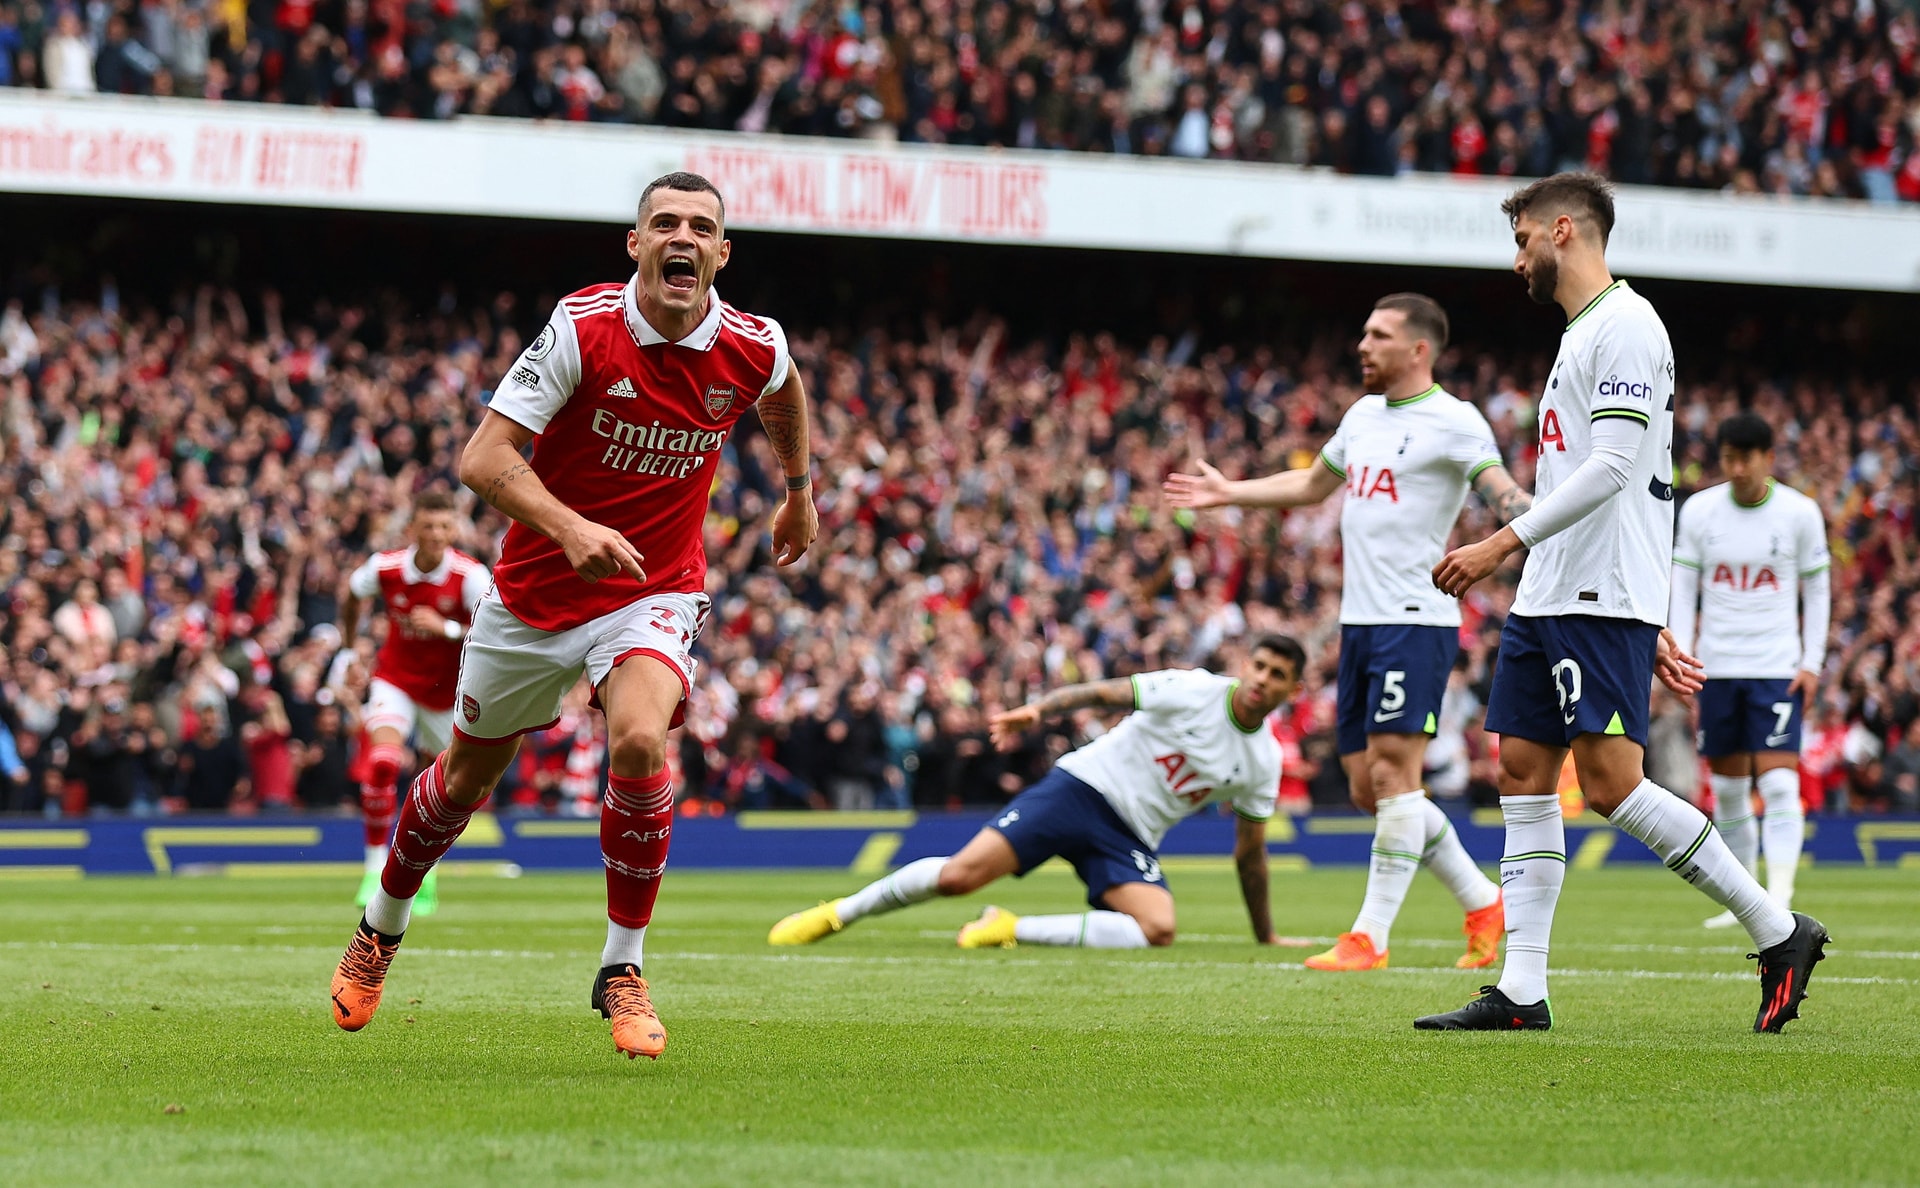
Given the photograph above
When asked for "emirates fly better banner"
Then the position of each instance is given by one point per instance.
(193, 151)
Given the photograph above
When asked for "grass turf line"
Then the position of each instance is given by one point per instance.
(883, 1055)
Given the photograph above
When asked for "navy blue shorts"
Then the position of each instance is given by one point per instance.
(1560, 676)
(1062, 816)
(1741, 715)
(1392, 679)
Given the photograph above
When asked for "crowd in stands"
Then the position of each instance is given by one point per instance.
(1776, 96)
(183, 490)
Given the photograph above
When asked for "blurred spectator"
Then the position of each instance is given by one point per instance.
(68, 57)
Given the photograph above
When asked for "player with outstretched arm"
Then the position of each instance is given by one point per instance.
(1406, 455)
(626, 397)
(1192, 739)
(1584, 641)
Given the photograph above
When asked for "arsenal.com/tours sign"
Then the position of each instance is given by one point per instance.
(193, 151)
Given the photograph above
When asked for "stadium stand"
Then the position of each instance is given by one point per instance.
(186, 481)
(1746, 95)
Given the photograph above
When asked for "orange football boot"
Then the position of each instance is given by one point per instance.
(361, 975)
(1353, 951)
(620, 994)
(1484, 929)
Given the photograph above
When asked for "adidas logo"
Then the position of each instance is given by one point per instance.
(622, 387)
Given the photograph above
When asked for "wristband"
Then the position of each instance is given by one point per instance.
(799, 482)
(452, 630)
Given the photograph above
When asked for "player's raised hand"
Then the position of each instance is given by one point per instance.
(1468, 564)
(796, 522)
(1209, 488)
(1676, 669)
(1006, 727)
(597, 552)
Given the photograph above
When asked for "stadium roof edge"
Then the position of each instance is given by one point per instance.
(192, 151)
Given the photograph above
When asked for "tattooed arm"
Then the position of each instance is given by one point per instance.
(1501, 493)
(783, 415)
(492, 466)
(1006, 727)
(1250, 861)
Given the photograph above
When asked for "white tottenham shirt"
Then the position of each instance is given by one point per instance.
(1408, 465)
(1180, 749)
(1748, 566)
(1615, 364)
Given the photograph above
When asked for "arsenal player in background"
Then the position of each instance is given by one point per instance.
(626, 397)
(429, 592)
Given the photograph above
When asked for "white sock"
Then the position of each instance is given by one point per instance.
(1531, 872)
(1399, 834)
(376, 857)
(387, 914)
(1783, 832)
(624, 946)
(1683, 838)
(916, 882)
(1450, 863)
(1733, 817)
(1093, 930)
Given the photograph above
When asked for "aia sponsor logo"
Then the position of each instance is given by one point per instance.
(1745, 578)
(1365, 482)
(719, 399)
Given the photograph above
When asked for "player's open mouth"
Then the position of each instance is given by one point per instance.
(679, 274)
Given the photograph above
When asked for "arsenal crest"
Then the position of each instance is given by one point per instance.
(719, 400)
(469, 708)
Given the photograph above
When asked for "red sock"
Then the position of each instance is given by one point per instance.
(429, 823)
(377, 806)
(636, 824)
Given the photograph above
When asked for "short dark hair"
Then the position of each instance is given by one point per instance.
(1424, 316)
(689, 183)
(432, 501)
(1582, 195)
(1744, 431)
(1284, 646)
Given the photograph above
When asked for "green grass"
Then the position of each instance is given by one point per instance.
(886, 1056)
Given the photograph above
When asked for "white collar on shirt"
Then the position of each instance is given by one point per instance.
(411, 572)
(702, 336)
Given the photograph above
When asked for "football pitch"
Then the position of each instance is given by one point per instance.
(176, 1031)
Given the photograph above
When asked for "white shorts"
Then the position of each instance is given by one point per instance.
(513, 677)
(427, 731)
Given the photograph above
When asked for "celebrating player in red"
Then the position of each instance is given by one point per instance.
(429, 592)
(626, 398)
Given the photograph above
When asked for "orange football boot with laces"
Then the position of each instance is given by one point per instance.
(1353, 951)
(620, 994)
(1484, 929)
(361, 975)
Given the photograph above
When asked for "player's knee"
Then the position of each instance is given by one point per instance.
(1159, 933)
(383, 766)
(1604, 794)
(1361, 793)
(1516, 779)
(638, 751)
(959, 878)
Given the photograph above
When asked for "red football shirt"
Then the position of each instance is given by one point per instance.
(630, 427)
(424, 667)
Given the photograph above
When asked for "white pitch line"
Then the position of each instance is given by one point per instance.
(1432, 943)
(1174, 965)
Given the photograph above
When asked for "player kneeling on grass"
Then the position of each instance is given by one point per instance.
(1193, 739)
